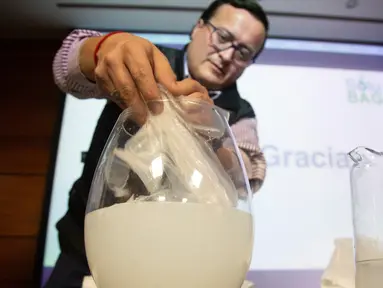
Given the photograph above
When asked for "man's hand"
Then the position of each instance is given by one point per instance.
(129, 69)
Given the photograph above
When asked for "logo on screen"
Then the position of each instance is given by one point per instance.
(364, 92)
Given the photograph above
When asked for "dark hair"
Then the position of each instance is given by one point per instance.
(251, 6)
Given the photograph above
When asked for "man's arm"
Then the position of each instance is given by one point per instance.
(246, 134)
(68, 75)
(128, 71)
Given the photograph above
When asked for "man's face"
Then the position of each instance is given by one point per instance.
(208, 63)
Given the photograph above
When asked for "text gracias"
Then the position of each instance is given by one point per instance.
(326, 158)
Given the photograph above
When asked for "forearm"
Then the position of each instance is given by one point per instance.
(68, 74)
(246, 135)
(255, 164)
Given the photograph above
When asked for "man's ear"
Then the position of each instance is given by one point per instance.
(196, 27)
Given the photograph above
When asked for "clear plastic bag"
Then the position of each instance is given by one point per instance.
(173, 156)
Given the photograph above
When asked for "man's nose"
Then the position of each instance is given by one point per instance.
(227, 54)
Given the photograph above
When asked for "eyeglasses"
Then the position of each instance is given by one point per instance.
(222, 40)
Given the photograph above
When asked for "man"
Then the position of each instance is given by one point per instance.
(125, 69)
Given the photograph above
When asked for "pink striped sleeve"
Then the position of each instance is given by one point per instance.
(66, 70)
(246, 135)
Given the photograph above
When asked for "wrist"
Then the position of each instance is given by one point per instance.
(100, 43)
(86, 60)
(89, 54)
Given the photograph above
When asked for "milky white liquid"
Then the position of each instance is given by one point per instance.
(369, 262)
(168, 245)
(369, 274)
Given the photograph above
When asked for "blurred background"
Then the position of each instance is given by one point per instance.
(31, 106)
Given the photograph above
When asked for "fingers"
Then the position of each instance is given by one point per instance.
(103, 80)
(128, 95)
(189, 86)
(201, 97)
(103, 76)
(226, 158)
(197, 112)
(163, 72)
(164, 75)
(194, 105)
(141, 72)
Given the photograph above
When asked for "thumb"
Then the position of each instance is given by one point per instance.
(188, 87)
(165, 76)
(199, 96)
